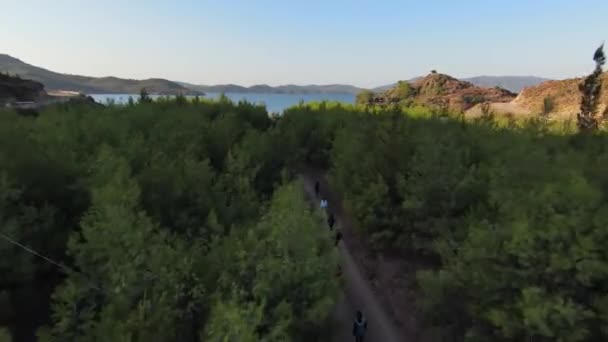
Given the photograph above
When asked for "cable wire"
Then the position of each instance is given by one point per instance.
(63, 267)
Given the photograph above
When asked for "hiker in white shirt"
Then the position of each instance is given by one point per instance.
(323, 204)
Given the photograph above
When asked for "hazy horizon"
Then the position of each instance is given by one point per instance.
(361, 43)
(260, 84)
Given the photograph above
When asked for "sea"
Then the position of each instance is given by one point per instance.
(275, 103)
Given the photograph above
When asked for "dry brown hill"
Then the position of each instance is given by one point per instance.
(442, 90)
(565, 96)
(438, 89)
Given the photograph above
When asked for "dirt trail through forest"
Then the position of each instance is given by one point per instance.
(358, 294)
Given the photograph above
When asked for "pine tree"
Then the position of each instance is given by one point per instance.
(144, 97)
(587, 119)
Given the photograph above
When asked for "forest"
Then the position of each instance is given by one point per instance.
(511, 220)
(176, 220)
(168, 221)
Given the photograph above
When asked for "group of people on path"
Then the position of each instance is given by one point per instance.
(360, 323)
(331, 221)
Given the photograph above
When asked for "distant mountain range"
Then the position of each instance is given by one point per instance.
(89, 85)
(512, 83)
(114, 85)
(282, 89)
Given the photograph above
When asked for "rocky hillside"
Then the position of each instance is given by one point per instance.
(564, 95)
(511, 83)
(443, 90)
(17, 89)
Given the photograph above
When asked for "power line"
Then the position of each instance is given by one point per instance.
(63, 267)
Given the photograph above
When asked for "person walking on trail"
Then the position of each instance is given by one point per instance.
(317, 186)
(323, 204)
(359, 327)
(331, 221)
(338, 237)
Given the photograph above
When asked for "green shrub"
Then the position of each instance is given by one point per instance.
(473, 99)
(548, 105)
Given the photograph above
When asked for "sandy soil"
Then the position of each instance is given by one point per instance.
(62, 93)
(500, 108)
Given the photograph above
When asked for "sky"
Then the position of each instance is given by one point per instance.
(360, 42)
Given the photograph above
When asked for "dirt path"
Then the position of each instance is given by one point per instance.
(358, 294)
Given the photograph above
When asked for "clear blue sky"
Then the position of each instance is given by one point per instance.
(360, 42)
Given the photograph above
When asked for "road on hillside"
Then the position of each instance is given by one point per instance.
(358, 294)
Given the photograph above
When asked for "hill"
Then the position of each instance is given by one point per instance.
(443, 90)
(114, 85)
(90, 85)
(564, 95)
(17, 89)
(512, 83)
(386, 87)
(328, 88)
(220, 88)
(282, 89)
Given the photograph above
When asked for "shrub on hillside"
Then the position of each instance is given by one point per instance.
(548, 105)
(365, 97)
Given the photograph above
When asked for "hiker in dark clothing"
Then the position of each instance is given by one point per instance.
(359, 327)
(338, 237)
(331, 221)
(317, 188)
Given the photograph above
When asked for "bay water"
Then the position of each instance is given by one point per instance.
(275, 103)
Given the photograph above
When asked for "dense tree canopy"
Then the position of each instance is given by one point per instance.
(183, 221)
(512, 215)
(175, 221)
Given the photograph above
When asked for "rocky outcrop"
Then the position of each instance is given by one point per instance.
(15, 89)
(27, 95)
(440, 90)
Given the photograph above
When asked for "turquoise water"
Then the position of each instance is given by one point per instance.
(273, 102)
